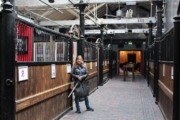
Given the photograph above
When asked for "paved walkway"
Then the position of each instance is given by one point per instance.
(120, 100)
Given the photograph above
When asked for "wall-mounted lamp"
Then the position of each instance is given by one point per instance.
(98, 41)
(109, 46)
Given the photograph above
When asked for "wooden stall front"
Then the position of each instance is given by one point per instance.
(93, 76)
(105, 71)
(113, 68)
(147, 72)
(151, 75)
(165, 88)
(42, 97)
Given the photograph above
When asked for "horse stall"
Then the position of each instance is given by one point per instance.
(105, 65)
(90, 58)
(112, 63)
(165, 90)
(166, 75)
(151, 76)
(42, 79)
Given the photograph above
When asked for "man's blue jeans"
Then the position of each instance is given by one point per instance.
(77, 102)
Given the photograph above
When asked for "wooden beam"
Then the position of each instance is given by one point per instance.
(106, 70)
(34, 99)
(92, 75)
(166, 90)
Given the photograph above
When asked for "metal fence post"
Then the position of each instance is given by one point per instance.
(7, 62)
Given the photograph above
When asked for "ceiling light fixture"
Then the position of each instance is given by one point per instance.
(119, 12)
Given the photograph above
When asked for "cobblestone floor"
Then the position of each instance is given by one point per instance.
(120, 100)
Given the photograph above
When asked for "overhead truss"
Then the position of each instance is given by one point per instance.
(36, 3)
(101, 21)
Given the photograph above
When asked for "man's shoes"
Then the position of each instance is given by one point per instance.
(78, 111)
(90, 109)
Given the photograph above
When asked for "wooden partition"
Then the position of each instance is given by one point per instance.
(41, 97)
(165, 89)
(113, 69)
(93, 76)
(151, 75)
(105, 71)
(146, 70)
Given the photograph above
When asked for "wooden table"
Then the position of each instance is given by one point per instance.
(126, 68)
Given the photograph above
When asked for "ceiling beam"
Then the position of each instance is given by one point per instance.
(45, 14)
(143, 8)
(37, 3)
(101, 21)
(98, 7)
(73, 12)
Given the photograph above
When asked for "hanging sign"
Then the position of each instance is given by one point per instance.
(53, 70)
(172, 73)
(90, 65)
(23, 73)
(164, 69)
(68, 68)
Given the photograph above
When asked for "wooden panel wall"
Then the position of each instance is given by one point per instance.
(151, 66)
(47, 109)
(166, 79)
(93, 76)
(165, 84)
(105, 71)
(151, 75)
(93, 84)
(151, 81)
(41, 96)
(165, 104)
(105, 65)
(146, 73)
(105, 76)
(113, 69)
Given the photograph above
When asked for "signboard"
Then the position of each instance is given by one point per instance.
(22, 45)
(164, 69)
(23, 73)
(172, 73)
(53, 70)
(90, 65)
(68, 68)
